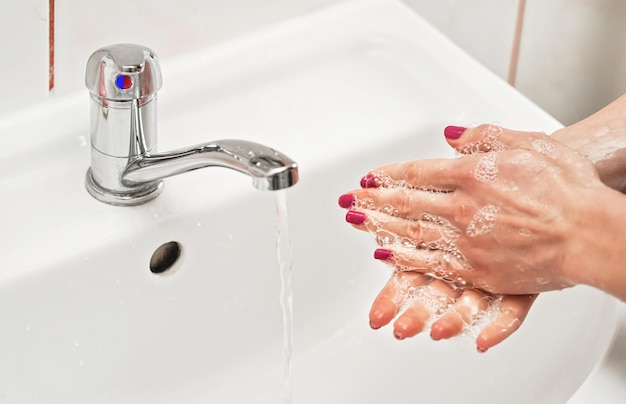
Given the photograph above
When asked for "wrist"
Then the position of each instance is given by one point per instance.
(605, 147)
(597, 255)
(602, 139)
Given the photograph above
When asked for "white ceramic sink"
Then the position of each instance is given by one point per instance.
(341, 91)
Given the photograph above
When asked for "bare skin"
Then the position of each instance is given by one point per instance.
(538, 193)
(513, 231)
(602, 139)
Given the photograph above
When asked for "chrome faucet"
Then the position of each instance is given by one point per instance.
(126, 168)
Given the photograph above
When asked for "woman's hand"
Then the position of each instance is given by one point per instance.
(417, 300)
(520, 204)
(500, 219)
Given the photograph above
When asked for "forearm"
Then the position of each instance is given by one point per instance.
(602, 138)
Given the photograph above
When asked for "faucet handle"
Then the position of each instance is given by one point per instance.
(123, 72)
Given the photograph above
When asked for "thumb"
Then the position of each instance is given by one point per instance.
(480, 139)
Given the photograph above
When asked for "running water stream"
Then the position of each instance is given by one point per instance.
(283, 248)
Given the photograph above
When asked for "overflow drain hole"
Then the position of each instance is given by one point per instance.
(165, 257)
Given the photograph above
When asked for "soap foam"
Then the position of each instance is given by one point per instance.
(480, 320)
(405, 290)
(483, 221)
(442, 256)
(489, 142)
(384, 180)
(546, 148)
(486, 169)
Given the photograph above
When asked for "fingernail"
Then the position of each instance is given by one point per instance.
(355, 217)
(453, 132)
(346, 200)
(369, 181)
(383, 254)
(435, 332)
(481, 350)
(374, 326)
(398, 336)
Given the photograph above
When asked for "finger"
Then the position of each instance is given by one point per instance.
(431, 232)
(446, 263)
(390, 231)
(487, 138)
(400, 202)
(437, 174)
(433, 299)
(392, 297)
(508, 318)
(468, 308)
(479, 139)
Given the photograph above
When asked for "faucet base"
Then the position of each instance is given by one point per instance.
(133, 197)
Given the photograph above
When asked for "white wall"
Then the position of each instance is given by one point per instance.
(573, 52)
(484, 28)
(167, 26)
(23, 53)
(573, 55)
(572, 60)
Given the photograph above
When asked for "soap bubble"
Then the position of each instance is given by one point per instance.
(483, 221)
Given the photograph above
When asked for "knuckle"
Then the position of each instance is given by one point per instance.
(466, 176)
(463, 211)
(412, 174)
(402, 202)
(483, 130)
(414, 231)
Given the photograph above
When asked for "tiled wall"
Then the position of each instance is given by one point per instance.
(572, 58)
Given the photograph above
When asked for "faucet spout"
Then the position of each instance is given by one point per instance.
(268, 168)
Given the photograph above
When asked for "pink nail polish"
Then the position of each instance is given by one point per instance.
(346, 200)
(369, 181)
(383, 254)
(453, 132)
(355, 217)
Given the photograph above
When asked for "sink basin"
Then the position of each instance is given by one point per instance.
(341, 91)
